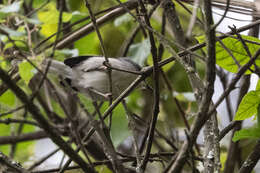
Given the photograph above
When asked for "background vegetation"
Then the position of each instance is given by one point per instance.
(142, 131)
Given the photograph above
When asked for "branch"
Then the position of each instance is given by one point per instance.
(23, 137)
(252, 160)
(72, 37)
(156, 94)
(10, 166)
(234, 153)
(199, 89)
(211, 132)
(34, 110)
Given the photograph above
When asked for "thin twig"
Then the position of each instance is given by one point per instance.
(109, 71)
(43, 159)
(35, 112)
(8, 121)
(156, 94)
(224, 15)
(12, 111)
(252, 159)
(193, 18)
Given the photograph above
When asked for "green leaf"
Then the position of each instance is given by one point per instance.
(50, 17)
(25, 149)
(250, 133)
(26, 71)
(119, 121)
(18, 43)
(8, 98)
(223, 58)
(258, 85)
(12, 8)
(11, 32)
(248, 105)
(122, 20)
(91, 41)
(3, 63)
(5, 131)
(223, 158)
(139, 52)
(78, 5)
(226, 61)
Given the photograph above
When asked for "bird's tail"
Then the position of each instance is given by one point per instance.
(57, 67)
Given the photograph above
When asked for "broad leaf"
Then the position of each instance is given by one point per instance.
(5, 131)
(122, 19)
(11, 32)
(26, 71)
(25, 150)
(140, 51)
(8, 98)
(119, 130)
(50, 17)
(225, 60)
(87, 45)
(250, 133)
(258, 85)
(3, 62)
(78, 5)
(248, 105)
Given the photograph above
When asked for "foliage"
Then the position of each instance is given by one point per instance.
(32, 31)
(233, 55)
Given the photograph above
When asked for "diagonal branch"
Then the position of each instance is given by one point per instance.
(34, 110)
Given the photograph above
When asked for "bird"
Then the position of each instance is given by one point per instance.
(89, 75)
